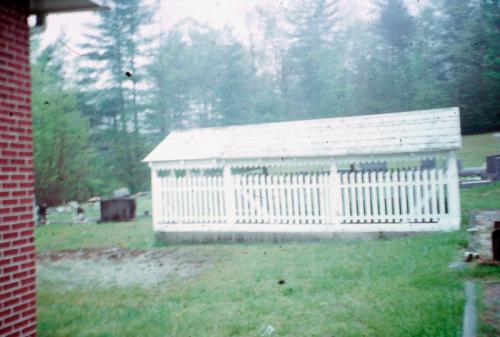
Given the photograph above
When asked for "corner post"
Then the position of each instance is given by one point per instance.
(229, 195)
(453, 191)
(155, 209)
(335, 195)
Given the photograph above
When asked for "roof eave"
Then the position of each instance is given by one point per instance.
(42, 7)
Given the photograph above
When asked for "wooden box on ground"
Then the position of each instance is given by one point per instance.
(120, 209)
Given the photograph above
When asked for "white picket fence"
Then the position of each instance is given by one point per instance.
(192, 200)
(394, 196)
(290, 198)
(391, 196)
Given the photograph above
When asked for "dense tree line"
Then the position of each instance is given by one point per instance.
(308, 59)
(63, 154)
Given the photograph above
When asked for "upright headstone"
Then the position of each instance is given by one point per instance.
(495, 241)
(80, 215)
(121, 192)
(42, 214)
(373, 166)
(493, 167)
(428, 163)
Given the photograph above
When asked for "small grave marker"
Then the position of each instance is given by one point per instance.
(495, 241)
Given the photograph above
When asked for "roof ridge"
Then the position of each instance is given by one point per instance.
(387, 114)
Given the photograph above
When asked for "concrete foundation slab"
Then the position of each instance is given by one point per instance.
(270, 237)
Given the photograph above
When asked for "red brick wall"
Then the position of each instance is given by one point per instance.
(17, 251)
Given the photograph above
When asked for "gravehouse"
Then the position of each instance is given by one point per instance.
(309, 178)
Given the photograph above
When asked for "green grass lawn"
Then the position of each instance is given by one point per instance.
(59, 234)
(477, 147)
(400, 287)
(481, 197)
(387, 288)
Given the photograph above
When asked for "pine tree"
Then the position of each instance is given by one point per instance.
(462, 39)
(395, 33)
(111, 90)
(310, 57)
(167, 94)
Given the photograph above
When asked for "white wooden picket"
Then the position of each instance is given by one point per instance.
(402, 195)
(283, 198)
(191, 200)
(390, 196)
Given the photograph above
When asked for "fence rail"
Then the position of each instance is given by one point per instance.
(389, 196)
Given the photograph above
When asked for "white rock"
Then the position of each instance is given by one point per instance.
(267, 331)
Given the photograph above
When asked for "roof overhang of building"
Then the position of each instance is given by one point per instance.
(41, 7)
(393, 136)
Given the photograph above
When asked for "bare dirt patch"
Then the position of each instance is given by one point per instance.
(119, 267)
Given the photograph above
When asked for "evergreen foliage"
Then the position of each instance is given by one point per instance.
(308, 59)
(63, 155)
